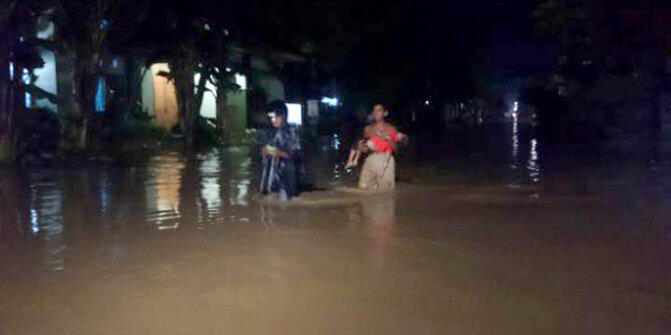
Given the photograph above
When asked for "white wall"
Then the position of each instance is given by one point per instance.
(46, 75)
(148, 92)
(46, 79)
(208, 108)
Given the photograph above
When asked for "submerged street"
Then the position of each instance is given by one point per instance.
(521, 239)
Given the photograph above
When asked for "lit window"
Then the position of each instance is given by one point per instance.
(115, 63)
(104, 24)
(101, 95)
(330, 101)
(29, 100)
(25, 76)
(295, 114)
(241, 81)
(11, 70)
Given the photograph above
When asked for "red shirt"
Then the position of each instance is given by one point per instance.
(383, 145)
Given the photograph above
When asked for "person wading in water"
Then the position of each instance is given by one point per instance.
(380, 141)
(281, 148)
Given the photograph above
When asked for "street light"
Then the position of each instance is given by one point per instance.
(330, 101)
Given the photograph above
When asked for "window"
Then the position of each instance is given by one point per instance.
(295, 114)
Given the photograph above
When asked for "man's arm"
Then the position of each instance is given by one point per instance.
(367, 133)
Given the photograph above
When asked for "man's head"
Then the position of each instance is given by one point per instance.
(379, 112)
(277, 112)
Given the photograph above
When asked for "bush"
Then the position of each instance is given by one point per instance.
(140, 126)
(205, 133)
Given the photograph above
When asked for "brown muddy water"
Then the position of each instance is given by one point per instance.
(524, 241)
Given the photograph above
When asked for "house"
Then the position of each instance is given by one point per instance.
(259, 82)
(262, 78)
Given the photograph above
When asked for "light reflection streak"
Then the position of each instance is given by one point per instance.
(162, 191)
(210, 170)
(34, 222)
(240, 183)
(46, 222)
(105, 191)
(533, 165)
(515, 140)
(380, 215)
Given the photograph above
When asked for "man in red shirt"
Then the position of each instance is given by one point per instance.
(380, 141)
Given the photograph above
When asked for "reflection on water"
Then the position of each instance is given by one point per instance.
(515, 140)
(46, 220)
(176, 192)
(162, 191)
(380, 217)
(533, 165)
(267, 216)
(105, 191)
(172, 192)
(531, 174)
(210, 188)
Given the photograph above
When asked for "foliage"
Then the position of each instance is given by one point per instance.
(139, 125)
(19, 49)
(596, 84)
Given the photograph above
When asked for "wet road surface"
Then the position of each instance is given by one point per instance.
(512, 245)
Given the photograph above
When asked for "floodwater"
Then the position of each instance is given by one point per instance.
(506, 236)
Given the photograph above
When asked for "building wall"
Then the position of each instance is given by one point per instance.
(159, 100)
(237, 111)
(46, 80)
(47, 74)
(165, 98)
(208, 107)
(147, 95)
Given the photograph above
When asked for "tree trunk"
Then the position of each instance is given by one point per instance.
(87, 84)
(200, 92)
(189, 102)
(6, 91)
(221, 101)
(8, 108)
(68, 103)
(131, 98)
(185, 99)
(6, 143)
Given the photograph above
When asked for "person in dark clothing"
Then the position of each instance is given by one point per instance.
(280, 153)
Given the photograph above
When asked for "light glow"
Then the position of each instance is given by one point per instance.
(26, 76)
(294, 114)
(330, 101)
(240, 80)
(533, 165)
(34, 221)
(28, 100)
(101, 95)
